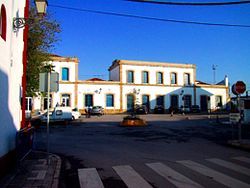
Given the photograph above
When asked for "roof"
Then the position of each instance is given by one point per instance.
(150, 63)
(95, 79)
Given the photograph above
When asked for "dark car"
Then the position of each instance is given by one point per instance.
(97, 110)
(141, 109)
(159, 109)
(195, 109)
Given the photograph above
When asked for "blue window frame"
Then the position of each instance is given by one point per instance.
(88, 100)
(130, 76)
(186, 79)
(173, 78)
(65, 73)
(109, 100)
(159, 78)
(145, 77)
(145, 101)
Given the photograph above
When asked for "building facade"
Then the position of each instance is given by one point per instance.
(12, 58)
(135, 83)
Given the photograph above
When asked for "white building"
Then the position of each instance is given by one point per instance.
(136, 82)
(11, 83)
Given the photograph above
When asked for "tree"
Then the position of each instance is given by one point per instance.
(43, 34)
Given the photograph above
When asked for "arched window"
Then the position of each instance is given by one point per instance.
(3, 23)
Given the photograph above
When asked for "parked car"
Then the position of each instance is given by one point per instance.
(195, 108)
(75, 114)
(185, 109)
(142, 109)
(159, 109)
(58, 114)
(97, 110)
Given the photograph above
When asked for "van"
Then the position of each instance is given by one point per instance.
(58, 114)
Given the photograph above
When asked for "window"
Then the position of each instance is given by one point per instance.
(186, 79)
(109, 100)
(59, 112)
(65, 74)
(218, 101)
(88, 100)
(173, 78)
(159, 78)
(160, 100)
(3, 23)
(130, 76)
(145, 77)
(187, 100)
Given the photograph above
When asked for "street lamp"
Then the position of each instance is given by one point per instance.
(41, 7)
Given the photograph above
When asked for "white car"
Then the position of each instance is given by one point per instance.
(75, 114)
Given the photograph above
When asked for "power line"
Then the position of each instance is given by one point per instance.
(192, 3)
(149, 18)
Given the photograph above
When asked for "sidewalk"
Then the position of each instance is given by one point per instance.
(34, 172)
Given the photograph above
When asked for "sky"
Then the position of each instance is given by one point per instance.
(98, 39)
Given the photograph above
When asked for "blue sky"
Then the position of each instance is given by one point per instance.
(98, 39)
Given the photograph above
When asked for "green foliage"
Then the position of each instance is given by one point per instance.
(41, 39)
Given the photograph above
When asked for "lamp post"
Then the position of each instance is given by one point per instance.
(19, 23)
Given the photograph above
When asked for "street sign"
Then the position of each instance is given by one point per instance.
(239, 87)
(54, 82)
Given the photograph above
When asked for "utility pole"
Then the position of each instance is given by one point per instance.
(214, 72)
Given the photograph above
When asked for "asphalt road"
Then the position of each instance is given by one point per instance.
(99, 142)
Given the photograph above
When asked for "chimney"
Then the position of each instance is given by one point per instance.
(226, 80)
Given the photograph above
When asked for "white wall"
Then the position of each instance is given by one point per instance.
(58, 68)
(212, 92)
(99, 98)
(11, 70)
(114, 74)
(152, 73)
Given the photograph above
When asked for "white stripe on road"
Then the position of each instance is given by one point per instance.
(231, 166)
(130, 177)
(217, 176)
(174, 177)
(89, 178)
(244, 159)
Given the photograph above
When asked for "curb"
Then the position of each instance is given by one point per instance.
(57, 171)
(239, 144)
(56, 177)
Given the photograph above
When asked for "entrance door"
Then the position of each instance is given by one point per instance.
(65, 100)
(130, 103)
(174, 101)
(204, 103)
(145, 101)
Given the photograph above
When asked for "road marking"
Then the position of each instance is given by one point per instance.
(217, 176)
(174, 177)
(231, 166)
(130, 177)
(244, 159)
(89, 178)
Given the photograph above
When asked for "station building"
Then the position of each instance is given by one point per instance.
(134, 83)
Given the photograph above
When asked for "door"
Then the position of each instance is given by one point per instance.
(88, 100)
(130, 103)
(65, 100)
(145, 101)
(204, 103)
(174, 101)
